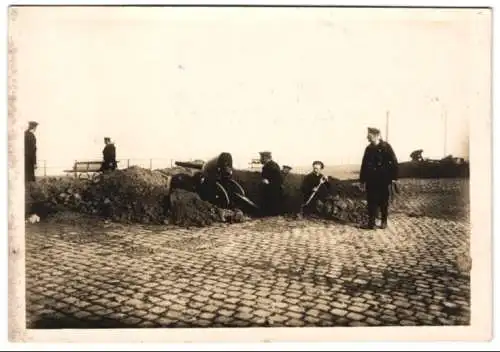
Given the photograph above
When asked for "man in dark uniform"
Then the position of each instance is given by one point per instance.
(225, 166)
(272, 181)
(30, 149)
(286, 194)
(109, 156)
(315, 182)
(379, 169)
(285, 170)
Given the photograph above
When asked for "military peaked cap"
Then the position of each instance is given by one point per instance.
(373, 130)
(265, 154)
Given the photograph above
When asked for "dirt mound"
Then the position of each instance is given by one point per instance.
(132, 195)
(187, 209)
(52, 195)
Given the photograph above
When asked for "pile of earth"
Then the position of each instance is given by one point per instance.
(131, 195)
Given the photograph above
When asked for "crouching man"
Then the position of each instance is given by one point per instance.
(315, 190)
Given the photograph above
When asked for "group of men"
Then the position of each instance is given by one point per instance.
(379, 170)
(30, 153)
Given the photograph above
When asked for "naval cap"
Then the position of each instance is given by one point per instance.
(373, 130)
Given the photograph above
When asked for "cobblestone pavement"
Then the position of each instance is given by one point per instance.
(271, 272)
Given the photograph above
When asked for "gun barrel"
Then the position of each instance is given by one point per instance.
(188, 164)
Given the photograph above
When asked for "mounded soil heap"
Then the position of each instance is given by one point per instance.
(132, 195)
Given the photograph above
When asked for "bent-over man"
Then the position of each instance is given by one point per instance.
(379, 168)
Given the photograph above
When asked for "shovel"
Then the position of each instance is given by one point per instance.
(323, 180)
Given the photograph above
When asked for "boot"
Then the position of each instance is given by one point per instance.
(383, 219)
(370, 225)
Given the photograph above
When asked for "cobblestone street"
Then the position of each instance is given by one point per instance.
(271, 272)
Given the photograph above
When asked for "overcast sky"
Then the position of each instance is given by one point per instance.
(193, 82)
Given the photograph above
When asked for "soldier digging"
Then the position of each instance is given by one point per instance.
(379, 169)
(315, 189)
(109, 156)
(30, 149)
(272, 181)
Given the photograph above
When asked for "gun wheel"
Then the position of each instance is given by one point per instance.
(221, 197)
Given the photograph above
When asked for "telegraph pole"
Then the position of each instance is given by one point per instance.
(445, 117)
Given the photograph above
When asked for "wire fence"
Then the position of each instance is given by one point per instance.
(45, 168)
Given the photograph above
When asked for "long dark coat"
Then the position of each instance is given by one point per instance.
(272, 193)
(109, 157)
(30, 150)
(379, 166)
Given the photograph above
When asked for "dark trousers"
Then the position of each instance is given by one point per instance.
(108, 166)
(377, 195)
(29, 171)
(272, 201)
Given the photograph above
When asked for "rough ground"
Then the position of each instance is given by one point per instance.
(270, 272)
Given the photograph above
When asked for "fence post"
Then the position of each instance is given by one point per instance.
(45, 168)
(151, 164)
(128, 163)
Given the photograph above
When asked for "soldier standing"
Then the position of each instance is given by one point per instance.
(379, 169)
(285, 170)
(272, 181)
(30, 150)
(109, 155)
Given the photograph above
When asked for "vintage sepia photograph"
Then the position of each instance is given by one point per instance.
(247, 167)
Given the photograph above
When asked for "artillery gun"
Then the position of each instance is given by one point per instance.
(215, 183)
